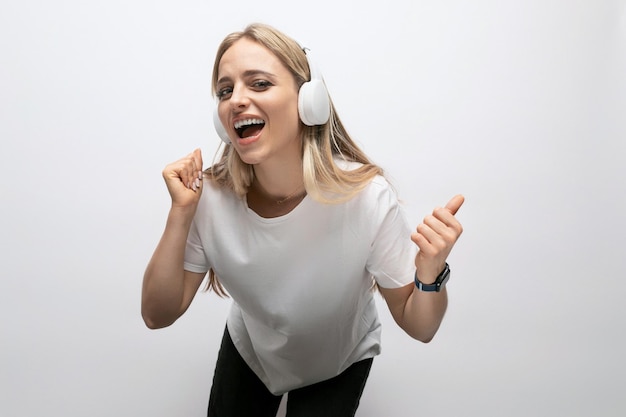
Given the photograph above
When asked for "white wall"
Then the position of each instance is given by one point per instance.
(518, 105)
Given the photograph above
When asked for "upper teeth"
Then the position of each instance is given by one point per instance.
(247, 122)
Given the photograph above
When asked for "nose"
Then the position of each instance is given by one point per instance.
(239, 99)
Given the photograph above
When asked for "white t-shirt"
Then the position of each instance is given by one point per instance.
(303, 309)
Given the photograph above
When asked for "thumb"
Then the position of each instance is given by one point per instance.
(455, 203)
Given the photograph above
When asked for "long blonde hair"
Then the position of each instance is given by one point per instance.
(324, 180)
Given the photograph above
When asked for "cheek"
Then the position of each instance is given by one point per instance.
(286, 115)
(292, 122)
(292, 116)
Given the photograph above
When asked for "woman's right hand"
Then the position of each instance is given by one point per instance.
(184, 180)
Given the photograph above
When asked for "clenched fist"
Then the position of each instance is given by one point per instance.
(184, 179)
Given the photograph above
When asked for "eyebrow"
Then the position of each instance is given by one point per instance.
(248, 73)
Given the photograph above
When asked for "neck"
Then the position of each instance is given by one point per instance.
(276, 195)
(281, 182)
(295, 195)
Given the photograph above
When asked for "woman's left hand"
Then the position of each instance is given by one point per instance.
(435, 237)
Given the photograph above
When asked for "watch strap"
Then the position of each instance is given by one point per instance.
(436, 286)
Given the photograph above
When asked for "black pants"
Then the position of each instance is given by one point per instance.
(238, 392)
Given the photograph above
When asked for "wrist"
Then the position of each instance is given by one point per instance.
(181, 216)
(427, 273)
(434, 285)
(427, 278)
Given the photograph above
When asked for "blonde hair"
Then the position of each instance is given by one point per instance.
(324, 180)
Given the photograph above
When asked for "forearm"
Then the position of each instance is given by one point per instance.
(163, 283)
(423, 313)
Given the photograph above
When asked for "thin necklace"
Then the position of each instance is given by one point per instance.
(296, 193)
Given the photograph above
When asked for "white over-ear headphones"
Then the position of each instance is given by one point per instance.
(313, 102)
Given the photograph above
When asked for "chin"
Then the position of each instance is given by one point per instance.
(250, 158)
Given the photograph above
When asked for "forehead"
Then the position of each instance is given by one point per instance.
(247, 55)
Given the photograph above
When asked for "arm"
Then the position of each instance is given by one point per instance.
(167, 288)
(418, 313)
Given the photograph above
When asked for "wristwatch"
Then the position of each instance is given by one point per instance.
(439, 283)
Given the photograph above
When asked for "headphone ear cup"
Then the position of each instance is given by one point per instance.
(313, 103)
(219, 127)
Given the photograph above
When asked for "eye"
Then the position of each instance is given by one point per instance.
(224, 92)
(261, 85)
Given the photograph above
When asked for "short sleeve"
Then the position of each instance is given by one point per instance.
(392, 252)
(195, 257)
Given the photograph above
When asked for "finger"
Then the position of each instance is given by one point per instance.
(188, 171)
(425, 246)
(433, 237)
(438, 232)
(438, 221)
(197, 156)
(447, 224)
(455, 203)
(185, 170)
(421, 242)
(197, 174)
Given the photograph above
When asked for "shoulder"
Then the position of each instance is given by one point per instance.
(216, 196)
(216, 187)
(374, 202)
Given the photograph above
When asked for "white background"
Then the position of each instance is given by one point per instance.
(519, 105)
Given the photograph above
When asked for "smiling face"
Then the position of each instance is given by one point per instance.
(258, 104)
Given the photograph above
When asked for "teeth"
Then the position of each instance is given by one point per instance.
(247, 122)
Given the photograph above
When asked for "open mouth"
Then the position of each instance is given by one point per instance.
(249, 127)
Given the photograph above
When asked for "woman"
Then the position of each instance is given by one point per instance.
(298, 227)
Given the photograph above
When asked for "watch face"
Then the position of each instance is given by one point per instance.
(444, 277)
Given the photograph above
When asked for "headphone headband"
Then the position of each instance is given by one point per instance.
(313, 69)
